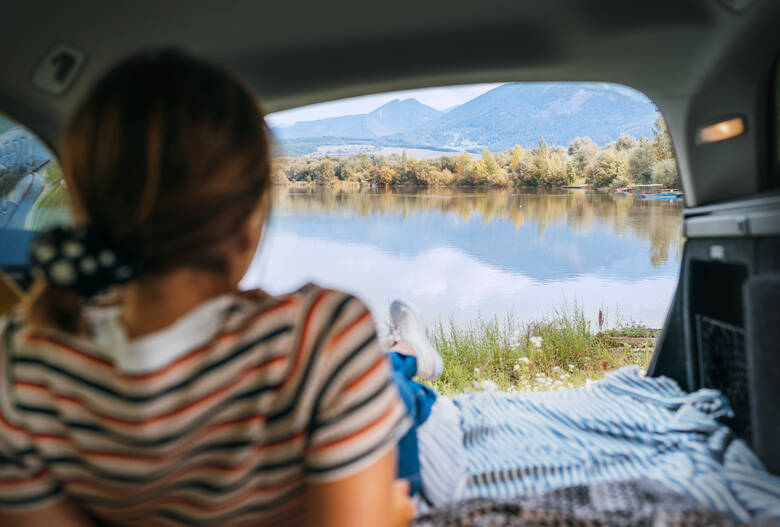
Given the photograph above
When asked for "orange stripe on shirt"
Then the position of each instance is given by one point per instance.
(304, 337)
(341, 335)
(370, 426)
(381, 361)
(35, 338)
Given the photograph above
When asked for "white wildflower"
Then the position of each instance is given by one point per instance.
(487, 385)
(476, 371)
(556, 368)
(524, 360)
(571, 366)
(536, 341)
(516, 367)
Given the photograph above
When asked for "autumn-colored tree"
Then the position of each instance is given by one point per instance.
(386, 176)
(463, 167)
(662, 141)
(517, 155)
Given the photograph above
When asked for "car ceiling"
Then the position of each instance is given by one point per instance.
(697, 59)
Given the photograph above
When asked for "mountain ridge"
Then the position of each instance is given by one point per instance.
(512, 113)
(393, 117)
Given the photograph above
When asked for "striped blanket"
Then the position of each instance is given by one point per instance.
(624, 427)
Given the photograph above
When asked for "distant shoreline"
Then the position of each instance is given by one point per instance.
(353, 185)
(623, 164)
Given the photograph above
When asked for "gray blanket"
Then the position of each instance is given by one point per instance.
(638, 502)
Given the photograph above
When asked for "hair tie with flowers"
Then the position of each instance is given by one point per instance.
(77, 258)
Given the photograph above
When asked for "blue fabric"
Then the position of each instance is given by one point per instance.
(623, 427)
(418, 399)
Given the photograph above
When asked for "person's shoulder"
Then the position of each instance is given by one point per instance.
(299, 300)
(310, 308)
(43, 345)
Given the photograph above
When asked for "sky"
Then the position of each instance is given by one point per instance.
(439, 98)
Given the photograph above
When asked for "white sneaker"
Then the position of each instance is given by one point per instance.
(407, 328)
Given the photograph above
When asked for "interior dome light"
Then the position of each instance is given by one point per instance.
(721, 131)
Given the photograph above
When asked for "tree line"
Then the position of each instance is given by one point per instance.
(620, 163)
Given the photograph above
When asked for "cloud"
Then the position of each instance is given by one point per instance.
(444, 281)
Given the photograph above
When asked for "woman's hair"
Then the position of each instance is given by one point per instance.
(167, 157)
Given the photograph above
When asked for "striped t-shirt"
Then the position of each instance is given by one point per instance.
(220, 419)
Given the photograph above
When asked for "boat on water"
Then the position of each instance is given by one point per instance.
(660, 195)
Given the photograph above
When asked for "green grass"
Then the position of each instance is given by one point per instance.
(506, 354)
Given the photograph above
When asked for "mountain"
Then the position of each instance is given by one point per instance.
(514, 113)
(395, 117)
(522, 113)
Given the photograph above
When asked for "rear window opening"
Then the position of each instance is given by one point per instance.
(535, 227)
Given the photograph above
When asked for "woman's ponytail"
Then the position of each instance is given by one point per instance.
(69, 266)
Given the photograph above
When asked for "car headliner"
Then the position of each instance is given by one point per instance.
(698, 60)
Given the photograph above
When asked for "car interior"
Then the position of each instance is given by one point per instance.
(711, 67)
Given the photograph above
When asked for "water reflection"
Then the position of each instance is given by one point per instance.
(477, 254)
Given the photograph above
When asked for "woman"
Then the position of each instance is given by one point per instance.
(178, 399)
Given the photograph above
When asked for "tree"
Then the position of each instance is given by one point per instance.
(386, 176)
(640, 162)
(549, 167)
(662, 141)
(326, 171)
(517, 155)
(625, 143)
(582, 151)
(404, 162)
(479, 174)
(606, 169)
(487, 171)
(463, 167)
(665, 173)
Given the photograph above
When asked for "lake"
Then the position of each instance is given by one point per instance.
(467, 255)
